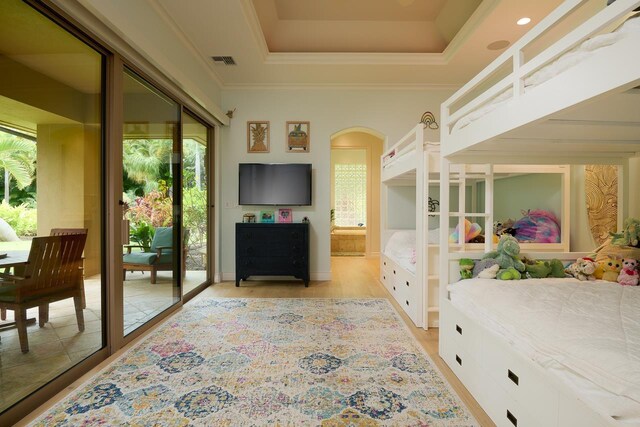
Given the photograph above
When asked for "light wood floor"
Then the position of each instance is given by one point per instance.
(352, 277)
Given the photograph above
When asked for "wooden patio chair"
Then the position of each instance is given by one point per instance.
(158, 258)
(66, 232)
(50, 275)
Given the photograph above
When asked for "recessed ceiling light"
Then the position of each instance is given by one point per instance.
(523, 21)
(498, 45)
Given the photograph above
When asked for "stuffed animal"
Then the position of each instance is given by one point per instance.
(483, 265)
(629, 274)
(538, 270)
(537, 226)
(466, 268)
(506, 254)
(557, 268)
(582, 269)
(489, 273)
(630, 235)
(471, 230)
(610, 268)
(509, 274)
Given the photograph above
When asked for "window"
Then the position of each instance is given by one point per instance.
(350, 194)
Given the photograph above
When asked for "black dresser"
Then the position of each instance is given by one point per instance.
(277, 249)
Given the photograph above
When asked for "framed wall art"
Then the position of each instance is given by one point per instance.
(257, 137)
(298, 137)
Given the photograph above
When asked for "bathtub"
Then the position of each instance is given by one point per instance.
(348, 241)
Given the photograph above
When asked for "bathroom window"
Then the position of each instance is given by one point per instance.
(350, 195)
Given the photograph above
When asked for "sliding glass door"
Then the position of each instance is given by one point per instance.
(195, 204)
(51, 175)
(150, 180)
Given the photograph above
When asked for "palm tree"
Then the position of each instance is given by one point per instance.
(17, 158)
(143, 158)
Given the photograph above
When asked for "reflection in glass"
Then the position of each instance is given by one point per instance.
(51, 185)
(151, 250)
(194, 200)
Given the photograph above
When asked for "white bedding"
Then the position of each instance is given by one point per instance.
(401, 247)
(586, 333)
(585, 50)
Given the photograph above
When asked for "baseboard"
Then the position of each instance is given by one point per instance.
(216, 278)
(373, 255)
(318, 276)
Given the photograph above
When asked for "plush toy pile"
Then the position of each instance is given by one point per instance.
(505, 264)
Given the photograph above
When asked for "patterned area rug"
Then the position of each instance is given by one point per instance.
(284, 362)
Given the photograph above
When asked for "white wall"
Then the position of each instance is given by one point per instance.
(390, 112)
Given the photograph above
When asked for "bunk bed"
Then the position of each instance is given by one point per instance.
(410, 211)
(405, 270)
(540, 351)
(595, 119)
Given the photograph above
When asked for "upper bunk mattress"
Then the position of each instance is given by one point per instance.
(588, 48)
(586, 333)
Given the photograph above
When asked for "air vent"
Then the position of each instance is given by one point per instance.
(224, 60)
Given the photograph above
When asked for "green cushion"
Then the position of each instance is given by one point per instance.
(147, 258)
(162, 237)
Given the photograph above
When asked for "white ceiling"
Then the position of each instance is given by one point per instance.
(234, 28)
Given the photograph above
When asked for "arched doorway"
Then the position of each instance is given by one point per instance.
(355, 191)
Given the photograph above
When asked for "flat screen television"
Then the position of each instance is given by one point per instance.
(285, 184)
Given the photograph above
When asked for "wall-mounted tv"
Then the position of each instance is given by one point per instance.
(285, 184)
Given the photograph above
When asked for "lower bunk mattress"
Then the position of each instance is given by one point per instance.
(585, 333)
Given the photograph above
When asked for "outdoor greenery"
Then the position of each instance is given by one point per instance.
(17, 172)
(22, 218)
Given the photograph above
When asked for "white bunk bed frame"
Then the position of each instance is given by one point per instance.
(534, 122)
(410, 162)
(415, 162)
(511, 388)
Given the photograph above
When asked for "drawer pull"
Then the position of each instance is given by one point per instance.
(407, 303)
(511, 418)
(513, 377)
(459, 329)
(394, 288)
(384, 277)
(459, 360)
(394, 272)
(407, 283)
(385, 262)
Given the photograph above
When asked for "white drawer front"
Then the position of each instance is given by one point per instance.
(464, 331)
(526, 385)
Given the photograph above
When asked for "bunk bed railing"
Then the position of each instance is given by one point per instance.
(521, 69)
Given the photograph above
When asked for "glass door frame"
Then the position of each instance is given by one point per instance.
(209, 162)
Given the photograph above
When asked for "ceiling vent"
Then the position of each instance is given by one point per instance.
(224, 60)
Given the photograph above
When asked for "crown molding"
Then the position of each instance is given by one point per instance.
(340, 86)
(349, 58)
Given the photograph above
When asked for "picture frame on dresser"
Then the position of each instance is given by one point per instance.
(285, 215)
(267, 216)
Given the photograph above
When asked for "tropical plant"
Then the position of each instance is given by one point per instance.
(146, 162)
(194, 208)
(17, 159)
(22, 218)
(142, 233)
(154, 208)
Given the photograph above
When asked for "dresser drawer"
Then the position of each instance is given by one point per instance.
(272, 265)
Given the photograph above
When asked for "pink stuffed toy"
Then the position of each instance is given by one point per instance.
(629, 274)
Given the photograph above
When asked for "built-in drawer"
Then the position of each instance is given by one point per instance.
(463, 330)
(525, 383)
(463, 365)
(502, 408)
(575, 413)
